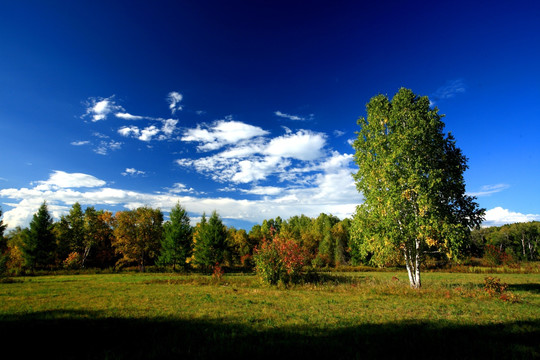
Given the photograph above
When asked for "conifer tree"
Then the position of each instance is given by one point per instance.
(39, 242)
(177, 241)
(211, 241)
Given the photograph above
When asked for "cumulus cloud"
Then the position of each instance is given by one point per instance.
(64, 189)
(180, 188)
(249, 156)
(128, 131)
(62, 179)
(174, 98)
(148, 133)
(303, 145)
(151, 132)
(98, 109)
(221, 133)
(499, 216)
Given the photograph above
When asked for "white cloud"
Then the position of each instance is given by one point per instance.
(291, 201)
(180, 188)
(98, 109)
(263, 190)
(80, 143)
(449, 90)
(499, 216)
(105, 146)
(132, 172)
(304, 145)
(221, 133)
(127, 116)
(288, 116)
(129, 131)
(61, 179)
(488, 190)
(339, 133)
(174, 98)
(148, 133)
(169, 126)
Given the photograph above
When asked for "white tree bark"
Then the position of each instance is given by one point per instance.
(412, 263)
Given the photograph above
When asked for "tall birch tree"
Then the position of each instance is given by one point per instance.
(411, 177)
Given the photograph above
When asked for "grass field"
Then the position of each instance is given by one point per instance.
(345, 315)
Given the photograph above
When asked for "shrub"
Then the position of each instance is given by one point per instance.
(495, 287)
(73, 261)
(280, 260)
(494, 257)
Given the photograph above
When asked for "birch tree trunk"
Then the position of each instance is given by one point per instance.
(412, 263)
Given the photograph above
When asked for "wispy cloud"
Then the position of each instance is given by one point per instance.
(174, 98)
(449, 90)
(488, 190)
(128, 116)
(293, 117)
(132, 172)
(80, 143)
(105, 147)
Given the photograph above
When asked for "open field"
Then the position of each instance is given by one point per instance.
(345, 315)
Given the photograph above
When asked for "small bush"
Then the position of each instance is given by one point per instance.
(217, 272)
(495, 287)
(73, 261)
(280, 260)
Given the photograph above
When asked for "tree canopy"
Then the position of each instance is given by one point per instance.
(411, 177)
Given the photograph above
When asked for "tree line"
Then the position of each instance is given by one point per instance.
(90, 238)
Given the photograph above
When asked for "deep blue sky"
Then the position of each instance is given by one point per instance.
(267, 97)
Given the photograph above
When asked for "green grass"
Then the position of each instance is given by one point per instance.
(342, 315)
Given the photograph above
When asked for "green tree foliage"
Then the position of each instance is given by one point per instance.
(70, 233)
(4, 253)
(177, 242)
(521, 241)
(411, 177)
(210, 241)
(241, 247)
(138, 235)
(39, 242)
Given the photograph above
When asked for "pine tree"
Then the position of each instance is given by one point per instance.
(39, 244)
(177, 242)
(211, 241)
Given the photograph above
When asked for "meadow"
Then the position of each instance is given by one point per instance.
(337, 315)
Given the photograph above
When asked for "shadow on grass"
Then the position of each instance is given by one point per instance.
(533, 288)
(86, 335)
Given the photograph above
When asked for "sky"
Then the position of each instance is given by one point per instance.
(249, 108)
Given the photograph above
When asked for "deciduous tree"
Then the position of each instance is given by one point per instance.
(411, 177)
(137, 235)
